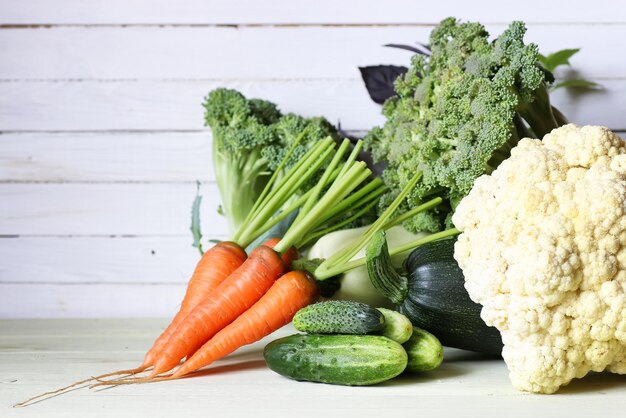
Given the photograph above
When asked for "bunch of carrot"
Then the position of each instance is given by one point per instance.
(233, 299)
(248, 298)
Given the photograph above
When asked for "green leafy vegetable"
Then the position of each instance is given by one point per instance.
(551, 61)
(576, 83)
(559, 58)
(196, 230)
(250, 139)
(458, 114)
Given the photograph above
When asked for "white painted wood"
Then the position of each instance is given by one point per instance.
(261, 52)
(102, 135)
(290, 12)
(109, 156)
(158, 105)
(173, 105)
(98, 260)
(241, 385)
(106, 157)
(108, 209)
(89, 300)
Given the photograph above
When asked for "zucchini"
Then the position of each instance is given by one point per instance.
(432, 294)
(397, 326)
(339, 317)
(353, 360)
(424, 350)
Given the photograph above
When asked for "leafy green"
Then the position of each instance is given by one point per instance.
(559, 58)
(551, 61)
(250, 139)
(196, 230)
(458, 114)
(576, 83)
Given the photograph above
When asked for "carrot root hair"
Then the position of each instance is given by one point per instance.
(131, 381)
(51, 394)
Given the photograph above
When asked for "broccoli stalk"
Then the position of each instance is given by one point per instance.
(458, 114)
(241, 129)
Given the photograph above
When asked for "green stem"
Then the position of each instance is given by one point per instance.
(275, 174)
(284, 190)
(247, 239)
(371, 191)
(341, 187)
(409, 214)
(318, 234)
(340, 269)
(381, 271)
(317, 189)
(350, 251)
(539, 114)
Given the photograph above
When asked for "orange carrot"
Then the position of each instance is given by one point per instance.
(228, 300)
(212, 269)
(289, 255)
(291, 292)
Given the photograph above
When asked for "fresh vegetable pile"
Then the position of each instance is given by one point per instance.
(538, 274)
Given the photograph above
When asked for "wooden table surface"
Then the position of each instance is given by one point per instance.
(40, 355)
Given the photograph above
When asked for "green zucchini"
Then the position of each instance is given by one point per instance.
(432, 294)
(424, 350)
(397, 326)
(353, 360)
(339, 317)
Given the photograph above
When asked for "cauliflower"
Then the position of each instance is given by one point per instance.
(543, 251)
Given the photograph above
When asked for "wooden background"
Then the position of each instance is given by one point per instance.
(101, 128)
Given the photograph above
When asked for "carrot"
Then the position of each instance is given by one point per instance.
(291, 292)
(229, 299)
(212, 269)
(289, 255)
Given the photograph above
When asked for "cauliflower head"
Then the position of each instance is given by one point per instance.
(543, 250)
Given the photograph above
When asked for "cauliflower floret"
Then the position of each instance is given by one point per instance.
(543, 250)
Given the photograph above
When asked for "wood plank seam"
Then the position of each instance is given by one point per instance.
(281, 25)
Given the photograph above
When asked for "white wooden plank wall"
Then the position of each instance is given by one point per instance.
(101, 134)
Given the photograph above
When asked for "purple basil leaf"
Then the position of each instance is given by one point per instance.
(379, 80)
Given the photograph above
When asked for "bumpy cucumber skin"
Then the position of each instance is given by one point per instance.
(352, 360)
(424, 350)
(339, 317)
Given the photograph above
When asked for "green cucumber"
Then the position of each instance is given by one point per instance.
(339, 317)
(353, 360)
(424, 350)
(397, 326)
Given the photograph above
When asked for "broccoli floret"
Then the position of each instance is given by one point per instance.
(250, 138)
(240, 131)
(293, 128)
(458, 114)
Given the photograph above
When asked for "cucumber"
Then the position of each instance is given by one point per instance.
(353, 360)
(397, 326)
(424, 350)
(339, 317)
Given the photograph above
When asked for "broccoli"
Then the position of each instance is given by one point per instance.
(458, 114)
(250, 138)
